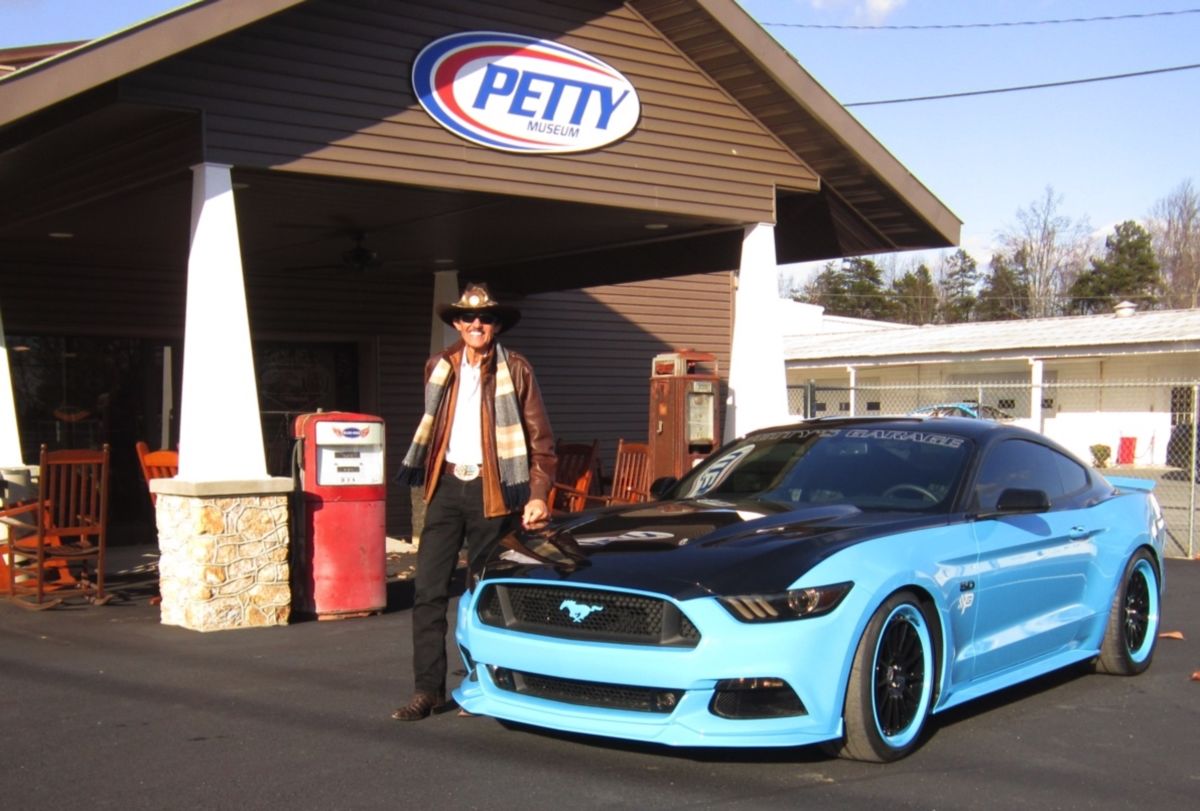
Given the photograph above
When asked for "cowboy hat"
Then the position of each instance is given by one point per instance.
(477, 299)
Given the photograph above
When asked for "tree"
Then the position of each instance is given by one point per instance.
(1175, 233)
(958, 282)
(1005, 295)
(1047, 250)
(854, 289)
(827, 288)
(914, 297)
(1127, 271)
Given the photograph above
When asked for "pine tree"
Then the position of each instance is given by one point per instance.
(1128, 270)
(958, 284)
(914, 297)
(854, 289)
(1005, 295)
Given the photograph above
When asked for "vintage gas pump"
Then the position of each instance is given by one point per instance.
(683, 411)
(339, 559)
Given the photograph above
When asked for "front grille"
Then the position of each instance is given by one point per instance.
(605, 616)
(588, 693)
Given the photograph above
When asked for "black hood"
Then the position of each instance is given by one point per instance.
(691, 548)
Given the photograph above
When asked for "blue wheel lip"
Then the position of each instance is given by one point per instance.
(1145, 569)
(906, 736)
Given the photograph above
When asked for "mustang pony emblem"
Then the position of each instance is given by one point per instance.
(579, 611)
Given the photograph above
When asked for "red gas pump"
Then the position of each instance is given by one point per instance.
(339, 567)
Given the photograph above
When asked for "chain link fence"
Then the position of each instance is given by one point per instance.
(1143, 429)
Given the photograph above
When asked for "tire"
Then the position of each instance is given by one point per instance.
(890, 692)
(1132, 631)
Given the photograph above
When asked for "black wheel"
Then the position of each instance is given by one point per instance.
(891, 683)
(1132, 630)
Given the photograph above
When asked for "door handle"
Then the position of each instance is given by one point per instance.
(1080, 533)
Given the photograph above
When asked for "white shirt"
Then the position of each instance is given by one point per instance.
(466, 431)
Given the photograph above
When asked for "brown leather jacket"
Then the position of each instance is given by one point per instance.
(539, 438)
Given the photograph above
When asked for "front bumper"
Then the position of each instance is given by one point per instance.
(810, 655)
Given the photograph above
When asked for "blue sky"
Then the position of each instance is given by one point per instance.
(1110, 149)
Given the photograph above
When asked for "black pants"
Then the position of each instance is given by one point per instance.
(454, 517)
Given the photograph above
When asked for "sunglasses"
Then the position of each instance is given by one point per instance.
(487, 319)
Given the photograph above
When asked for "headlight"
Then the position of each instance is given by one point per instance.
(790, 605)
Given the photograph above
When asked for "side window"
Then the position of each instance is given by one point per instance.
(1017, 463)
(1073, 475)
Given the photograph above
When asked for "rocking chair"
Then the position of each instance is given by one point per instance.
(51, 540)
(156, 465)
(573, 476)
(630, 481)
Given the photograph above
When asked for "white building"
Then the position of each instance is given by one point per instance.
(1125, 379)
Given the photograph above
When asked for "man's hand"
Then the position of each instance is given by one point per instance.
(536, 514)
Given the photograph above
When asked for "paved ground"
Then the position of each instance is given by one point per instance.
(109, 709)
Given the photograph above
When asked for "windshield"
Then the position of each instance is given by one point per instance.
(869, 468)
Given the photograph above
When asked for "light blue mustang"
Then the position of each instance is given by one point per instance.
(832, 582)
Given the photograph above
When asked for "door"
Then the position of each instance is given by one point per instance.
(1032, 569)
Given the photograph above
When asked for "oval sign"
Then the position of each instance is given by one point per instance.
(520, 94)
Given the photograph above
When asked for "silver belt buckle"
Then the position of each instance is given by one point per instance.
(466, 473)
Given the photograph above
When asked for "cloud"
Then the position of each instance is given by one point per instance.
(873, 12)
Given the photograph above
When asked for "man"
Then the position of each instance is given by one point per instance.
(484, 453)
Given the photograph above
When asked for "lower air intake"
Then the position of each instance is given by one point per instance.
(587, 693)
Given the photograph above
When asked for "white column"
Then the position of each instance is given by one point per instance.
(853, 374)
(10, 437)
(220, 433)
(757, 380)
(445, 290)
(1035, 394)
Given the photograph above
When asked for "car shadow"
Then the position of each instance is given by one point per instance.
(1012, 695)
(815, 753)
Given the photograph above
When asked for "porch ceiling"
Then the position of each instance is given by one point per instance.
(90, 178)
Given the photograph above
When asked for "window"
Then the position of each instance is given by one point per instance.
(1017, 463)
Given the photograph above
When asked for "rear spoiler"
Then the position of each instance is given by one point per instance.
(1131, 483)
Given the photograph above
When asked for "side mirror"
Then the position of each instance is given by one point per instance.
(1017, 500)
(661, 485)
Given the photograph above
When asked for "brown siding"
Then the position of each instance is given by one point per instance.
(592, 349)
(63, 300)
(388, 315)
(325, 88)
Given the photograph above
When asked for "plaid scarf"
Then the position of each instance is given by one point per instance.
(510, 436)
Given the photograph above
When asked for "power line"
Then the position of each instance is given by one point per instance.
(1014, 24)
(1023, 87)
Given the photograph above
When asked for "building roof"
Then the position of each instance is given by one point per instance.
(1075, 336)
(14, 59)
(867, 202)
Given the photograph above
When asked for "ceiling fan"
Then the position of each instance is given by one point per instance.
(360, 258)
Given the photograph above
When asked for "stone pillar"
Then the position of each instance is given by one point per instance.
(223, 557)
(222, 522)
(757, 379)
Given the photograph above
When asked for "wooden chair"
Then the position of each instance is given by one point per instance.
(631, 478)
(631, 473)
(156, 465)
(61, 531)
(574, 475)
